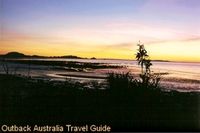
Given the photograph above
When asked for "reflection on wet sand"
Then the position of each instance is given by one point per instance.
(175, 75)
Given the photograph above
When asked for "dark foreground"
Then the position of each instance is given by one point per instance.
(25, 101)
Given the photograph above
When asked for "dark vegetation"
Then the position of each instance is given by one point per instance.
(127, 104)
(123, 105)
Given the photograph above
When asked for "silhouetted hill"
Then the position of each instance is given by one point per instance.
(13, 55)
(68, 56)
(21, 55)
(93, 58)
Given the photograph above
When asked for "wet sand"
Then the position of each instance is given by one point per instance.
(171, 80)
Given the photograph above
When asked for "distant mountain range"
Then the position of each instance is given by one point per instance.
(15, 55)
(21, 55)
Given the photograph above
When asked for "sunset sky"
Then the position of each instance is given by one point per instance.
(170, 29)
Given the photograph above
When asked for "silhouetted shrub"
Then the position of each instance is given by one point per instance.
(120, 81)
(148, 81)
(5, 66)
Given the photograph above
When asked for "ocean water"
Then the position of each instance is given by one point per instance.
(186, 67)
(181, 76)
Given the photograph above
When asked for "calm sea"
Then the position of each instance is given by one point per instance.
(175, 69)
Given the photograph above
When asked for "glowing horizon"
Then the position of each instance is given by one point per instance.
(102, 29)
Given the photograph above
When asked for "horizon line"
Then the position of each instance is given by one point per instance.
(103, 58)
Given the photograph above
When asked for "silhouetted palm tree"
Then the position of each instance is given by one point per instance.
(147, 63)
(141, 55)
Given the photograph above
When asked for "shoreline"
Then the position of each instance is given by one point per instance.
(97, 71)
